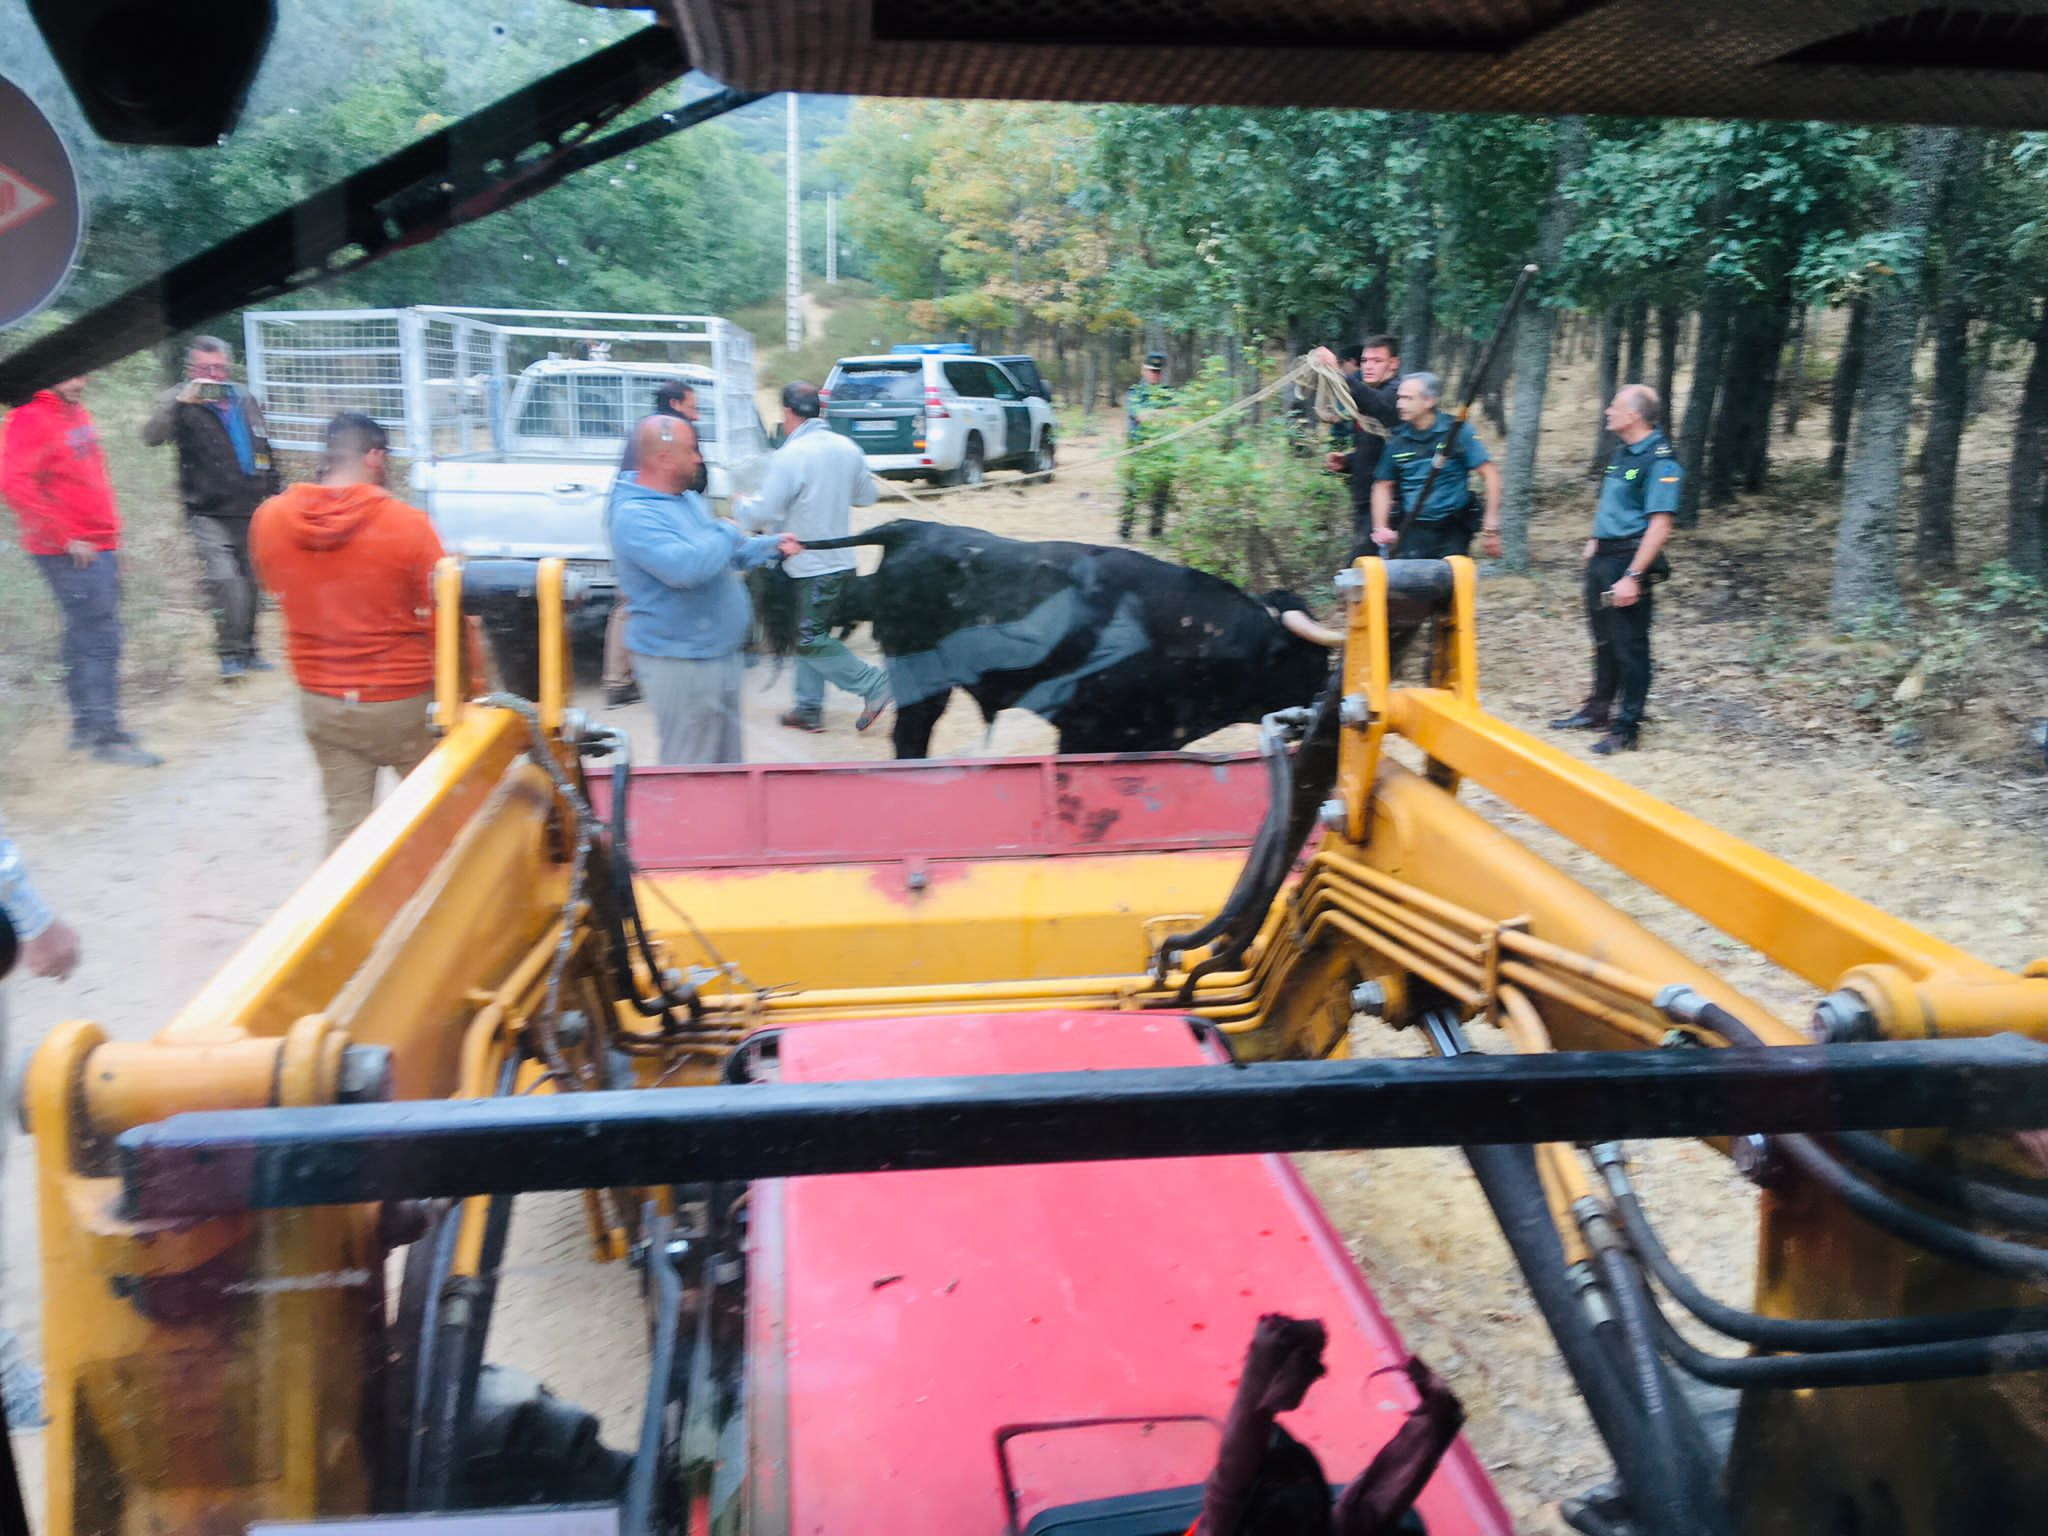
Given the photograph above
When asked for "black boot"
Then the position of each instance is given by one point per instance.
(1621, 739)
(1589, 716)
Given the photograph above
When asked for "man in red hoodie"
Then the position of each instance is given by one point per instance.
(54, 474)
(352, 566)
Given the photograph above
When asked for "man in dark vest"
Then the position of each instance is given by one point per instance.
(224, 473)
(1624, 557)
(1441, 523)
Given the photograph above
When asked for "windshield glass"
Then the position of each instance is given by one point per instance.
(877, 384)
(1330, 771)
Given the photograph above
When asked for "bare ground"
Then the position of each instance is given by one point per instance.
(163, 873)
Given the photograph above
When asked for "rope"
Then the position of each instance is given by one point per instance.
(1332, 396)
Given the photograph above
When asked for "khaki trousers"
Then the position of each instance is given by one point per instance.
(351, 740)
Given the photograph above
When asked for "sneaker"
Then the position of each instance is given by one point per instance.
(871, 712)
(233, 669)
(1585, 718)
(125, 756)
(618, 695)
(254, 663)
(800, 722)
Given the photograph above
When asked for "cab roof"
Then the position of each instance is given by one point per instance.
(1851, 60)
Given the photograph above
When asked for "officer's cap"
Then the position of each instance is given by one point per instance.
(1155, 359)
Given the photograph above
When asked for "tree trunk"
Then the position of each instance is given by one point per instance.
(1934, 541)
(1091, 362)
(1418, 332)
(1866, 544)
(1756, 462)
(1638, 344)
(1493, 398)
(1842, 395)
(2026, 537)
(1416, 262)
(1668, 321)
(1738, 454)
(1709, 351)
(1532, 350)
(1795, 393)
(1610, 381)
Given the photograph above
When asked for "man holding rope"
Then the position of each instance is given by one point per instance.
(1436, 502)
(1373, 386)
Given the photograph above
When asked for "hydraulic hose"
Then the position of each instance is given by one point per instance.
(1945, 1361)
(1272, 852)
(1959, 1192)
(1993, 1255)
(1650, 1473)
(1824, 1335)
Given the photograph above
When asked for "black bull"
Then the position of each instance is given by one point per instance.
(1122, 652)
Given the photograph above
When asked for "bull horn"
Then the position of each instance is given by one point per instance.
(1299, 623)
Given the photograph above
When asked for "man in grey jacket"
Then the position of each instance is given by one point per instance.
(814, 482)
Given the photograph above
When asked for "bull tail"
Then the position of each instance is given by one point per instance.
(885, 536)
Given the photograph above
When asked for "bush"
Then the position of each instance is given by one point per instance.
(1251, 502)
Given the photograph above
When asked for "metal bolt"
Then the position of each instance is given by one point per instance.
(1756, 1160)
(1370, 998)
(1354, 710)
(1843, 1018)
(1333, 816)
(365, 1076)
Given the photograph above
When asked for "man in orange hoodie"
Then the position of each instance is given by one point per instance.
(53, 472)
(352, 566)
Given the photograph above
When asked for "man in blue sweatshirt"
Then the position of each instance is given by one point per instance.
(687, 611)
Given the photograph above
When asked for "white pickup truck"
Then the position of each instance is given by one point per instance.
(510, 423)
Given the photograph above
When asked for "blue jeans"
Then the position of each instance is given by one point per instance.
(821, 656)
(89, 598)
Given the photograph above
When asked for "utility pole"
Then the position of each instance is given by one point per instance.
(831, 237)
(793, 268)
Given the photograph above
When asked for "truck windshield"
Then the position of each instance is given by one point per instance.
(886, 384)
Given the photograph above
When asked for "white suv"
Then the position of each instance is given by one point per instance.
(942, 412)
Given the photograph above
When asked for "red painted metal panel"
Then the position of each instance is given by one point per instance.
(920, 1315)
(759, 814)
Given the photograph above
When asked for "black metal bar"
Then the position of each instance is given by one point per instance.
(451, 177)
(269, 1159)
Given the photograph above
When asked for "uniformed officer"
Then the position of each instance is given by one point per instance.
(1638, 496)
(1443, 525)
(1142, 400)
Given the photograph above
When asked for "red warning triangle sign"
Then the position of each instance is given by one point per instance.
(20, 199)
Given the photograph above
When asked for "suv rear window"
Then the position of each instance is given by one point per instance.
(879, 383)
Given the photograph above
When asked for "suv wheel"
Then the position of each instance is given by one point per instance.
(970, 471)
(1041, 461)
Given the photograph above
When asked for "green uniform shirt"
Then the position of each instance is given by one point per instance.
(1406, 460)
(1642, 480)
(1140, 401)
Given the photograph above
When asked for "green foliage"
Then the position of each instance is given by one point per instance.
(1247, 505)
(2005, 592)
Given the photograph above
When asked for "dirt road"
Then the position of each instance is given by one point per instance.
(164, 873)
